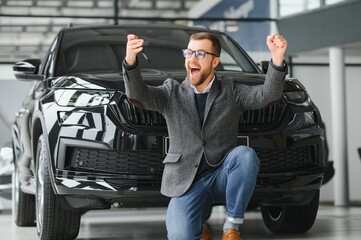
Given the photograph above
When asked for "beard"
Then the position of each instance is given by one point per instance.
(197, 77)
(197, 80)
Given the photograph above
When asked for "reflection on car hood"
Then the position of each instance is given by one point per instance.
(156, 77)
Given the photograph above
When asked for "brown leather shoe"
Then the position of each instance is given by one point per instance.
(231, 234)
(206, 235)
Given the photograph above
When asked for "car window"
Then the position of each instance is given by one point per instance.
(93, 56)
(103, 49)
(228, 62)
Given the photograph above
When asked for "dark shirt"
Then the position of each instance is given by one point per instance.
(204, 168)
(201, 99)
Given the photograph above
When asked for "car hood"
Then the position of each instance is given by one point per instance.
(107, 81)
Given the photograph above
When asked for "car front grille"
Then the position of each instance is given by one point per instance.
(261, 118)
(265, 117)
(273, 161)
(142, 170)
(136, 170)
(115, 162)
(149, 163)
(141, 117)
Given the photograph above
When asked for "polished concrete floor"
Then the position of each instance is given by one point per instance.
(332, 223)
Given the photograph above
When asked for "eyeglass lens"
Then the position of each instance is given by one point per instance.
(199, 54)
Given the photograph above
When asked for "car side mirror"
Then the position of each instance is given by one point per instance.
(28, 70)
(264, 66)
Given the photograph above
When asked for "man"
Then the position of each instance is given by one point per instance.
(204, 165)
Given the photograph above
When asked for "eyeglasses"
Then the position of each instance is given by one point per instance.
(200, 54)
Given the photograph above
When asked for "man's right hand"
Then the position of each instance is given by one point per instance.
(134, 46)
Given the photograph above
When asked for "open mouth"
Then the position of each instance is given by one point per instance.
(194, 71)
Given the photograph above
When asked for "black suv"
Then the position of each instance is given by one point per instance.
(80, 145)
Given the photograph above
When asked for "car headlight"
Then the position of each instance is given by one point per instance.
(299, 98)
(82, 98)
(296, 96)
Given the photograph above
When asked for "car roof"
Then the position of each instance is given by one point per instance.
(160, 25)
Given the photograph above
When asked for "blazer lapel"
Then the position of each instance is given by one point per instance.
(213, 93)
(190, 101)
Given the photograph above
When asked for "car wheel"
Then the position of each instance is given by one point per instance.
(53, 221)
(291, 219)
(23, 205)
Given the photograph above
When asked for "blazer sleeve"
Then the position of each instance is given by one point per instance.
(142, 95)
(258, 96)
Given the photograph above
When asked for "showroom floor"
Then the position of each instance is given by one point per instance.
(333, 223)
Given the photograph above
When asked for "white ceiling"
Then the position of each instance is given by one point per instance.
(23, 36)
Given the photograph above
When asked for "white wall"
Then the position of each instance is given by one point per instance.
(316, 81)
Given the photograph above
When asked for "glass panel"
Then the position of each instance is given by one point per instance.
(287, 7)
(329, 2)
(103, 49)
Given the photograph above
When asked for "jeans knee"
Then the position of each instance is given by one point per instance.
(179, 222)
(248, 158)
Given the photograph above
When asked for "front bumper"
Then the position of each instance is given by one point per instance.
(290, 188)
(83, 191)
(99, 191)
(88, 175)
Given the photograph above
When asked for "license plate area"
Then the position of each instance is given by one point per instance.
(241, 140)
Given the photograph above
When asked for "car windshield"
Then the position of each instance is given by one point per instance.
(102, 50)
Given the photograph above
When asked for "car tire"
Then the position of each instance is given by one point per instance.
(53, 221)
(291, 219)
(23, 205)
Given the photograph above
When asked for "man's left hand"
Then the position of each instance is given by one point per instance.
(277, 45)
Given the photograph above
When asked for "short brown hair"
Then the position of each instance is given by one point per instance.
(214, 40)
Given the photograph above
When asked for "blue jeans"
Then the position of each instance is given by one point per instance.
(231, 184)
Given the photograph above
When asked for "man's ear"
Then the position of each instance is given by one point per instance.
(216, 62)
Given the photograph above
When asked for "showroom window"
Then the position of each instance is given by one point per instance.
(287, 7)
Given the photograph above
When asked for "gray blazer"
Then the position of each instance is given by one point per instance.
(189, 140)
